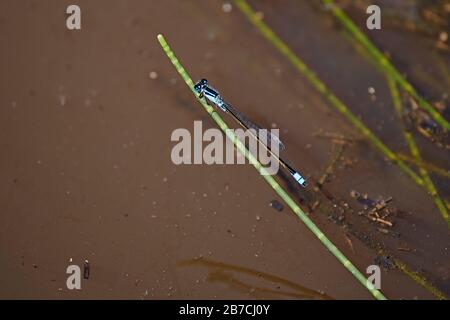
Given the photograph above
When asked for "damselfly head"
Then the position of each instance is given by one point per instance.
(200, 85)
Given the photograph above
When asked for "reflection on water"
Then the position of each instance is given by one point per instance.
(231, 275)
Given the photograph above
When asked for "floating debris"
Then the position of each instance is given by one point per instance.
(349, 242)
(372, 92)
(153, 75)
(336, 138)
(375, 210)
(385, 262)
(227, 7)
(415, 117)
(62, 100)
(277, 205)
(362, 198)
(86, 270)
(315, 205)
(231, 233)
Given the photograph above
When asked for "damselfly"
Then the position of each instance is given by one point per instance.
(212, 95)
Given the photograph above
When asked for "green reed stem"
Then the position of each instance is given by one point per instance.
(425, 164)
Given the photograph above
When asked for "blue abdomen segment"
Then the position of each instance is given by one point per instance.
(300, 179)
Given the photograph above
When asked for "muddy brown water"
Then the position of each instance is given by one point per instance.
(86, 172)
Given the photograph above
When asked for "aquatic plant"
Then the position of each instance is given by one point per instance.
(384, 64)
(334, 101)
(268, 178)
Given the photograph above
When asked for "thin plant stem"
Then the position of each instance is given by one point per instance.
(420, 280)
(427, 165)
